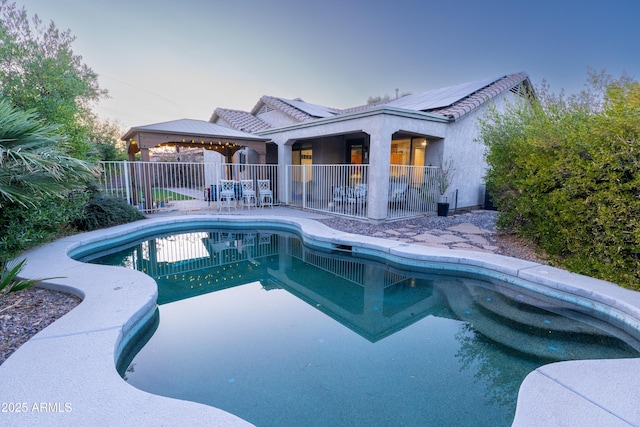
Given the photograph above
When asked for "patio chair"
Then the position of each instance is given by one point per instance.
(227, 196)
(249, 240)
(264, 238)
(398, 193)
(357, 197)
(248, 193)
(339, 196)
(265, 194)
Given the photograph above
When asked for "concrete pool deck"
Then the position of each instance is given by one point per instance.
(66, 374)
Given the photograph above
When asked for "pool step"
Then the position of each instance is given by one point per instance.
(516, 309)
(550, 346)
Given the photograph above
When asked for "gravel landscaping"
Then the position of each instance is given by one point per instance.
(25, 313)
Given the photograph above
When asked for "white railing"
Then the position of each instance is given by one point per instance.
(412, 190)
(343, 189)
(351, 271)
(158, 186)
(340, 189)
(194, 252)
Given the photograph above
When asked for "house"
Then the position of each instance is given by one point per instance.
(377, 161)
(414, 131)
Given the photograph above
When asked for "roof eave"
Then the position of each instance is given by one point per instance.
(381, 110)
(140, 129)
(476, 100)
(200, 135)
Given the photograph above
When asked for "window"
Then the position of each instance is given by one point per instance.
(306, 157)
(357, 152)
(408, 152)
(400, 152)
(301, 154)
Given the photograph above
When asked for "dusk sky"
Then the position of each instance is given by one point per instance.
(167, 60)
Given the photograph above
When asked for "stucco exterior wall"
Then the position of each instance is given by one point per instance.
(456, 140)
(379, 126)
(329, 151)
(462, 145)
(367, 124)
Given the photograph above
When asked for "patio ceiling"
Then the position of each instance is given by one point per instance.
(192, 134)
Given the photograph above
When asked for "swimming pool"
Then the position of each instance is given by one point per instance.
(258, 324)
(82, 348)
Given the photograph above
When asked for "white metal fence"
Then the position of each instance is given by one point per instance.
(161, 186)
(337, 189)
(413, 190)
(341, 189)
(191, 252)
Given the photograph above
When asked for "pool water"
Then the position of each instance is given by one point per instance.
(280, 334)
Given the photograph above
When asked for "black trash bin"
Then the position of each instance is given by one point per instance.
(488, 202)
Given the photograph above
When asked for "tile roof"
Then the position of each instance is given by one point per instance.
(455, 101)
(240, 120)
(479, 97)
(279, 104)
(192, 127)
(451, 102)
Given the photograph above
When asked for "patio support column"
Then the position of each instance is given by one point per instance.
(144, 154)
(145, 179)
(284, 161)
(378, 185)
(131, 149)
(374, 297)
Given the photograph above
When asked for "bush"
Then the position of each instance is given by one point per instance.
(566, 173)
(42, 221)
(103, 212)
(9, 281)
(45, 220)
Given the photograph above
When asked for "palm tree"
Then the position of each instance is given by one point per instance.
(32, 165)
(9, 281)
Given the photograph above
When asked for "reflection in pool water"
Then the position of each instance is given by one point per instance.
(280, 334)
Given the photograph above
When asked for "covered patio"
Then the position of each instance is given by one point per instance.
(188, 133)
(184, 133)
(386, 153)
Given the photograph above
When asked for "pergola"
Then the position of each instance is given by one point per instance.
(187, 133)
(192, 134)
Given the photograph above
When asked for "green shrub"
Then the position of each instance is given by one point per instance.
(9, 281)
(566, 173)
(23, 227)
(104, 211)
(43, 220)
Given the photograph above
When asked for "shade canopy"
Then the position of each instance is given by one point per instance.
(192, 134)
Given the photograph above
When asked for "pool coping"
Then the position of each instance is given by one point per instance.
(66, 374)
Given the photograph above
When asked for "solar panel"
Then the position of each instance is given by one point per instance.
(440, 98)
(311, 109)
